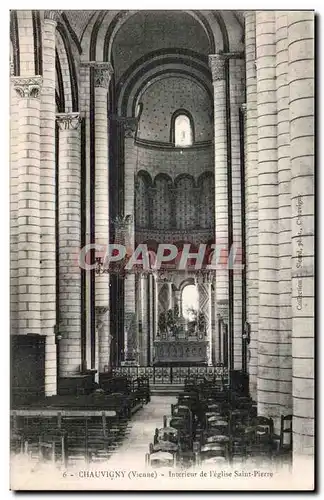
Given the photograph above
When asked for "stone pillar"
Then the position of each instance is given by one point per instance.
(150, 339)
(131, 334)
(251, 200)
(268, 350)
(214, 326)
(237, 83)
(69, 242)
(84, 99)
(301, 106)
(144, 321)
(103, 339)
(14, 151)
(102, 75)
(177, 301)
(47, 199)
(216, 63)
(170, 295)
(204, 306)
(29, 242)
(156, 313)
(284, 214)
(131, 341)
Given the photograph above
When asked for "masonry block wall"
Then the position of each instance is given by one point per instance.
(280, 148)
(159, 103)
(33, 240)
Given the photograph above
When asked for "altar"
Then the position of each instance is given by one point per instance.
(184, 351)
(181, 341)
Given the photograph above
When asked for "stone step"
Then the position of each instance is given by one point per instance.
(166, 389)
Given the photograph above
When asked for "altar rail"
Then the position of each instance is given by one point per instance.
(172, 374)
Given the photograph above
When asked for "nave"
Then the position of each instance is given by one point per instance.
(167, 130)
(205, 425)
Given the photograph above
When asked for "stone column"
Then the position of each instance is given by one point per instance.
(214, 326)
(301, 106)
(144, 321)
(131, 334)
(284, 214)
(204, 293)
(216, 63)
(84, 100)
(103, 339)
(156, 323)
(102, 75)
(237, 83)
(131, 341)
(47, 198)
(150, 340)
(14, 151)
(69, 242)
(251, 200)
(177, 301)
(29, 230)
(268, 350)
(170, 295)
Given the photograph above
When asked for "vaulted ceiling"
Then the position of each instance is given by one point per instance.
(80, 19)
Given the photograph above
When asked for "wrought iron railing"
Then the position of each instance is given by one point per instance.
(172, 374)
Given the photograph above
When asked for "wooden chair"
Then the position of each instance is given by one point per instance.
(216, 453)
(164, 446)
(217, 424)
(184, 427)
(159, 459)
(240, 443)
(239, 418)
(283, 441)
(52, 445)
(182, 411)
(166, 434)
(262, 444)
(216, 438)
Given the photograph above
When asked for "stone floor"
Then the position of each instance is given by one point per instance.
(141, 430)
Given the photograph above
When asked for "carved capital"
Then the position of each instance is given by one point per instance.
(123, 222)
(130, 127)
(204, 277)
(52, 15)
(68, 121)
(28, 87)
(217, 66)
(163, 277)
(103, 72)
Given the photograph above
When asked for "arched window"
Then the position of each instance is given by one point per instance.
(182, 130)
(190, 302)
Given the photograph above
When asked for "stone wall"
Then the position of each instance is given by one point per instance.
(280, 151)
(166, 96)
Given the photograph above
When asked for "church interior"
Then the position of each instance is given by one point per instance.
(187, 130)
